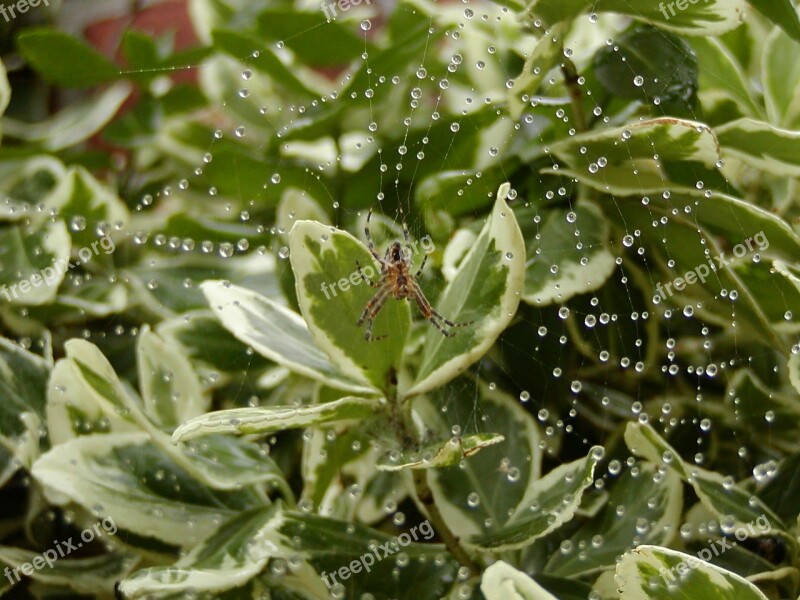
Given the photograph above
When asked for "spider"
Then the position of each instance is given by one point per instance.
(396, 280)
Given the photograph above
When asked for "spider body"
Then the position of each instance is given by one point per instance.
(397, 281)
(396, 272)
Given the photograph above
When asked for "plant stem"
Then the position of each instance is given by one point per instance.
(452, 543)
(571, 79)
(405, 431)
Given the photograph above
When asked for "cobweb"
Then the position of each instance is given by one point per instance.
(451, 96)
(464, 68)
(580, 366)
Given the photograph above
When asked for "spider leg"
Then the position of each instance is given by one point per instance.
(427, 312)
(364, 276)
(371, 311)
(406, 235)
(432, 315)
(422, 266)
(370, 244)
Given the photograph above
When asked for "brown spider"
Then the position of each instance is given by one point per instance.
(396, 280)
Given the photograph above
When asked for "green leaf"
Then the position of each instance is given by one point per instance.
(486, 290)
(65, 60)
(500, 475)
(95, 297)
(227, 559)
(643, 508)
(170, 389)
(275, 332)
(724, 215)
(332, 296)
(333, 457)
(89, 576)
(297, 205)
(446, 454)
(689, 246)
(459, 192)
(330, 544)
(720, 71)
(548, 504)
(667, 138)
(552, 244)
(663, 574)
(780, 69)
(74, 124)
(85, 396)
(239, 175)
(751, 400)
(185, 225)
(124, 476)
(140, 50)
(538, 64)
(168, 286)
(23, 385)
(33, 263)
(726, 500)
(763, 146)
(647, 64)
(781, 487)
(261, 421)
(87, 203)
(206, 340)
(782, 13)
(5, 90)
(775, 289)
(241, 45)
(501, 581)
(701, 18)
(224, 462)
(794, 371)
(308, 34)
(25, 182)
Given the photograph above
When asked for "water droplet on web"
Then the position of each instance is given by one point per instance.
(638, 81)
(366, 25)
